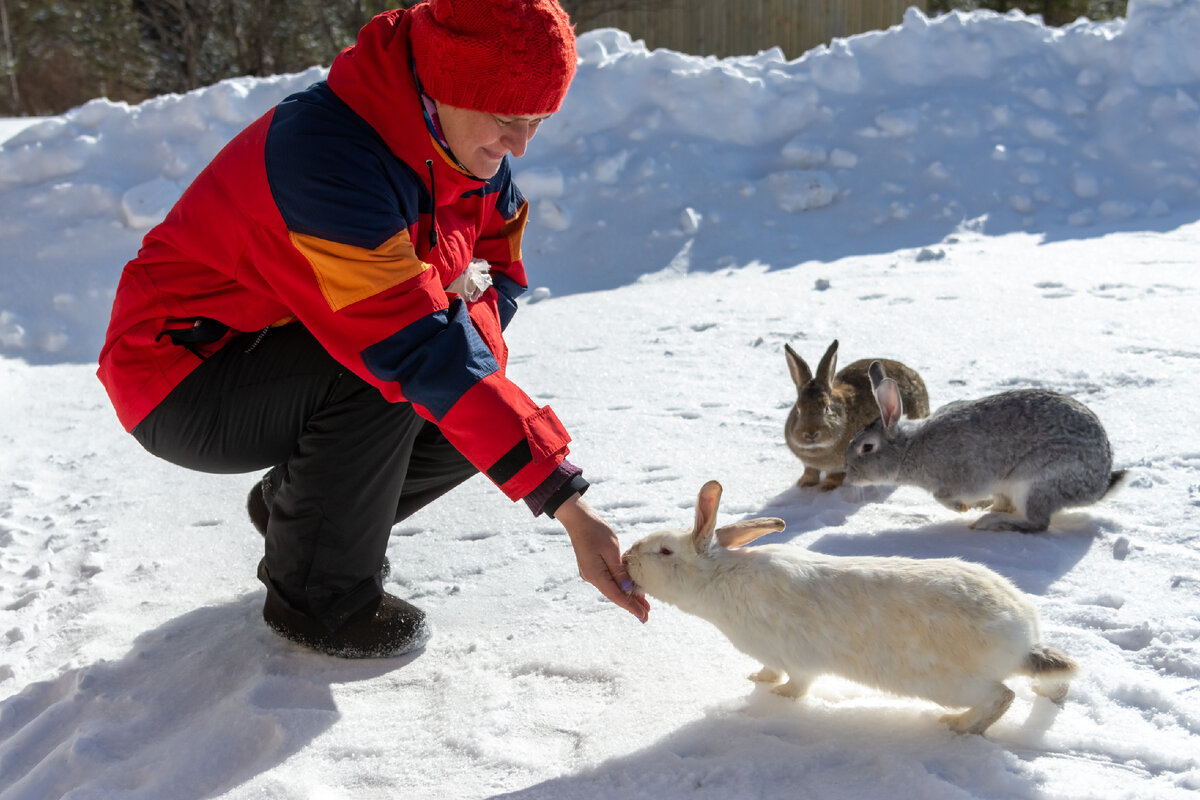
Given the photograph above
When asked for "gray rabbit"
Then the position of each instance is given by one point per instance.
(1025, 454)
(830, 408)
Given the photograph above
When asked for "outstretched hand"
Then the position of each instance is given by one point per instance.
(599, 555)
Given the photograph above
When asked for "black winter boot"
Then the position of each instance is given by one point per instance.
(385, 627)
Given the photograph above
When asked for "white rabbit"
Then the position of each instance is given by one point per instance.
(1025, 454)
(941, 629)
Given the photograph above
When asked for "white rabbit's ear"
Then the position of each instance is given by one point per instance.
(887, 397)
(828, 366)
(706, 515)
(746, 531)
(800, 371)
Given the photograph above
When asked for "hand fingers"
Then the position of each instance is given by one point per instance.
(604, 580)
(634, 604)
(621, 577)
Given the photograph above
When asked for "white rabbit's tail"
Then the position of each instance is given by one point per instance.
(1052, 670)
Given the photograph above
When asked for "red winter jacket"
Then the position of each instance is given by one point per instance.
(325, 211)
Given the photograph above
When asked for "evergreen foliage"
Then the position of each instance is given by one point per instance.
(57, 54)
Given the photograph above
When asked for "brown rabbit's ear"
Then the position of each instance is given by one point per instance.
(746, 531)
(706, 515)
(801, 374)
(828, 366)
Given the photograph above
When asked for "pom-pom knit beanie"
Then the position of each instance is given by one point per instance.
(512, 57)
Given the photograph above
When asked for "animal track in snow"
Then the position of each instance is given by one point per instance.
(1054, 290)
(1167, 352)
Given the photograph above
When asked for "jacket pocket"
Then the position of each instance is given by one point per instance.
(546, 434)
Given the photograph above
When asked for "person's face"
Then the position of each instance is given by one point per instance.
(480, 140)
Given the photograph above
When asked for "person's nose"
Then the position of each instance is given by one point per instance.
(517, 137)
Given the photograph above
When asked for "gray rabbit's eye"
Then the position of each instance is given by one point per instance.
(866, 447)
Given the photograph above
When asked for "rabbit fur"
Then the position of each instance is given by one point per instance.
(941, 629)
(1025, 454)
(830, 408)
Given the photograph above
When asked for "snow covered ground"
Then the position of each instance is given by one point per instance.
(994, 202)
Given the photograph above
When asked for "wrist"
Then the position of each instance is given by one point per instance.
(573, 488)
(570, 510)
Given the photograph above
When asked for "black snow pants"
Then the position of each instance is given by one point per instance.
(349, 463)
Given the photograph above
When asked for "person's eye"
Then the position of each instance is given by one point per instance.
(504, 123)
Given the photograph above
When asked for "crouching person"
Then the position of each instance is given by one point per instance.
(327, 302)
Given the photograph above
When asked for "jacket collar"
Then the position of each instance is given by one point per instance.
(374, 77)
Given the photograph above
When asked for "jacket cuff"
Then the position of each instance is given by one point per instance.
(573, 486)
(566, 480)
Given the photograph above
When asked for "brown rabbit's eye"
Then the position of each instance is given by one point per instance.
(666, 551)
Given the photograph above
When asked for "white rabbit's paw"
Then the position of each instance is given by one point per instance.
(766, 675)
(979, 718)
(793, 689)
(1053, 690)
(959, 723)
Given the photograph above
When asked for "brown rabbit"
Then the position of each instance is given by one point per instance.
(831, 408)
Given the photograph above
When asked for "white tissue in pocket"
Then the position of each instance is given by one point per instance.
(473, 281)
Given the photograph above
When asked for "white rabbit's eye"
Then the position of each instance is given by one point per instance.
(666, 551)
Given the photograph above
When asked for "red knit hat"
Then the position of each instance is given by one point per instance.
(502, 56)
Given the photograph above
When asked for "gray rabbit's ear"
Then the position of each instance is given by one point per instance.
(828, 366)
(746, 531)
(800, 371)
(706, 515)
(887, 397)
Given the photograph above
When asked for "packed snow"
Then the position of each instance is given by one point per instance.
(994, 202)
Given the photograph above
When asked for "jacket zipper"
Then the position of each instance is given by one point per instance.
(432, 211)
